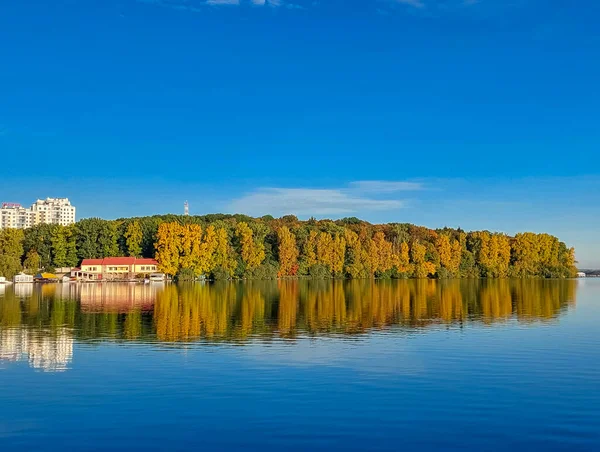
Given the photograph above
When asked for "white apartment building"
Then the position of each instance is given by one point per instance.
(53, 211)
(14, 216)
(48, 211)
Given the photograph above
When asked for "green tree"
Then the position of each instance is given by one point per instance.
(133, 239)
(32, 262)
(108, 239)
(70, 233)
(96, 239)
(11, 250)
(39, 239)
(59, 247)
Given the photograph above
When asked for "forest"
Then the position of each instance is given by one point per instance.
(220, 246)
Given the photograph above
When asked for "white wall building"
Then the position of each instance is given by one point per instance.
(15, 216)
(53, 211)
(48, 211)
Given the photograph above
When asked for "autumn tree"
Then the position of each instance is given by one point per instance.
(492, 253)
(190, 248)
(355, 265)
(450, 253)
(208, 247)
(251, 250)
(288, 252)
(325, 250)
(338, 255)
(383, 252)
(224, 259)
(310, 249)
(422, 268)
(401, 259)
(168, 239)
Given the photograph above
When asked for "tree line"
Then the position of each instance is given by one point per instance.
(240, 247)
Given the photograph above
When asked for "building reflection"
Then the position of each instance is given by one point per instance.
(48, 352)
(41, 322)
(111, 297)
(23, 290)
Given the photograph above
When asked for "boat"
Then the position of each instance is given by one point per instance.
(4, 281)
(45, 277)
(154, 277)
(23, 278)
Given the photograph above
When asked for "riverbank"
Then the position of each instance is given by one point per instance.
(240, 247)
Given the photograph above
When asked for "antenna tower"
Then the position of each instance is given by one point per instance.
(186, 209)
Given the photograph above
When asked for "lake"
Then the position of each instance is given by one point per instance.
(301, 365)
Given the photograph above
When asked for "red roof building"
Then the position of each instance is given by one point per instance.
(118, 267)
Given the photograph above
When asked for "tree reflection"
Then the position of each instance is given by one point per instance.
(285, 308)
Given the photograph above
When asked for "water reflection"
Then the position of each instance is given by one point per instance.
(47, 352)
(39, 323)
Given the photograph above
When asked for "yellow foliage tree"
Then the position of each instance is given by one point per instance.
(450, 252)
(325, 250)
(208, 247)
(252, 252)
(310, 249)
(501, 245)
(288, 252)
(224, 256)
(369, 255)
(422, 268)
(355, 265)
(338, 255)
(191, 247)
(492, 253)
(383, 253)
(401, 258)
(167, 246)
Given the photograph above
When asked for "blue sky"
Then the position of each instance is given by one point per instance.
(479, 114)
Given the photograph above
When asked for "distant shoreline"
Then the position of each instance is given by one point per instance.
(239, 247)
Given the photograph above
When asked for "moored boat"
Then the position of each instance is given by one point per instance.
(23, 278)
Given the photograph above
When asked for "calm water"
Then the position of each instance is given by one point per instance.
(389, 365)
